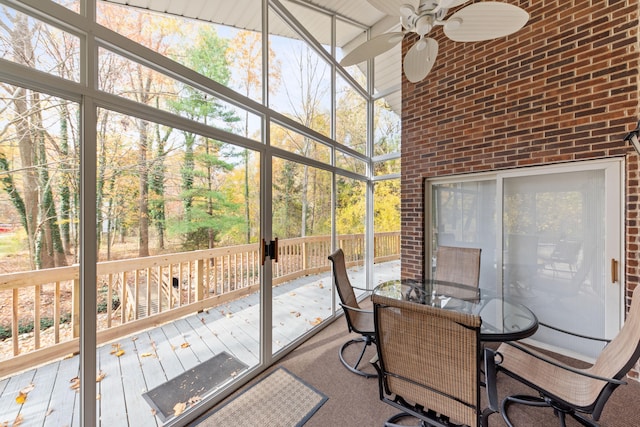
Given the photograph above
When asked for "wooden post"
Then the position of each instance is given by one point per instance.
(75, 309)
(14, 322)
(199, 280)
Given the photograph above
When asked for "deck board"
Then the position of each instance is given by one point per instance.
(9, 409)
(112, 408)
(177, 342)
(44, 381)
(225, 332)
(63, 404)
(233, 327)
(133, 385)
(152, 370)
(194, 339)
(211, 340)
(168, 358)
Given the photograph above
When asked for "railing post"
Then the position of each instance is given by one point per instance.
(200, 279)
(75, 309)
(305, 261)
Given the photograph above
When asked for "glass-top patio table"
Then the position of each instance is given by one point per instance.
(502, 318)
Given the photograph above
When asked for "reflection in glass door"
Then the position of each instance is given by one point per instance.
(553, 247)
(301, 220)
(558, 234)
(178, 274)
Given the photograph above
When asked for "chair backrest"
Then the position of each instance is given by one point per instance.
(458, 265)
(343, 284)
(355, 320)
(622, 353)
(430, 356)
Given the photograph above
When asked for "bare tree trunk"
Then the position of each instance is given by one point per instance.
(143, 200)
(29, 174)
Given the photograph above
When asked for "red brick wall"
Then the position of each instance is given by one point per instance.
(564, 88)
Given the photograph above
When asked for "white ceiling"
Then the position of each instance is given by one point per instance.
(359, 14)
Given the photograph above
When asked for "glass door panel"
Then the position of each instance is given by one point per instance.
(350, 228)
(464, 214)
(386, 225)
(179, 270)
(301, 220)
(555, 253)
(39, 254)
(550, 248)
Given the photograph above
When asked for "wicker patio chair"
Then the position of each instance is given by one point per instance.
(358, 320)
(579, 393)
(458, 265)
(429, 364)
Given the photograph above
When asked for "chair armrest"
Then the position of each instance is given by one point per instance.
(362, 289)
(561, 365)
(573, 333)
(359, 310)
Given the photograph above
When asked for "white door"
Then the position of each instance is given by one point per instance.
(556, 246)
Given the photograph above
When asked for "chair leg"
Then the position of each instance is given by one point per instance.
(391, 422)
(366, 341)
(521, 399)
(559, 412)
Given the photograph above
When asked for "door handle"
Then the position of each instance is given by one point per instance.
(614, 270)
(269, 250)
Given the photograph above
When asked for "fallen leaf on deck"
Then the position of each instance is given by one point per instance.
(229, 315)
(75, 383)
(117, 350)
(316, 321)
(18, 421)
(98, 397)
(49, 412)
(68, 356)
(21, 398)
(202, 320)
(100, 376)
(320, 285)
(153, 412)
(179, 408)
(146, 355)
(296, 313)
(134, 339)
(27, 389)
(184, 345)
(193, 400)
(293, 294)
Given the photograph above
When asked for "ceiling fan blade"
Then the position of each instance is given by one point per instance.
(420, 59)
(449, 4)
(392, 7)
(485, 21)
(371, 48)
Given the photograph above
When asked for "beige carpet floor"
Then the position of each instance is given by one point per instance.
(354, 400)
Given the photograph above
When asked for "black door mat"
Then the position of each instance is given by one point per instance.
(192, 384)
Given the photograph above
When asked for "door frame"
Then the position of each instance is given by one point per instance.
(614, 213)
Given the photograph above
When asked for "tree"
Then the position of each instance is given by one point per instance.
(245, 56)
(306, 106)
(36, 205)
(207, 210)
(145, 86)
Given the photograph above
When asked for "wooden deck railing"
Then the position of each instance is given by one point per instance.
(140, 293)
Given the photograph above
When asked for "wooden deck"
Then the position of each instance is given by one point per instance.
(157, 355)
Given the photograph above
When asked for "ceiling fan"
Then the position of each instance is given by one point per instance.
(477, 22)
